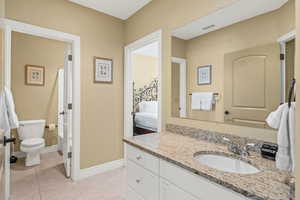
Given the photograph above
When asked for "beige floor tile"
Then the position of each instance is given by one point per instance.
(47, 181)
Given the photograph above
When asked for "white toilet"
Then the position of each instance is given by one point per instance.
(31, 135)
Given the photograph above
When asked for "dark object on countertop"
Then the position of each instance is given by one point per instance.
(269, 151)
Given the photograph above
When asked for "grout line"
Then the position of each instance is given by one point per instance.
(38, 182)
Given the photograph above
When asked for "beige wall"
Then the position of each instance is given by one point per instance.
(175, 89)
(142, 64)
(37, 102)
(178, 47)
(101, 104)
(156, 16)
(2, 8)
(210, 49)
(298, 102)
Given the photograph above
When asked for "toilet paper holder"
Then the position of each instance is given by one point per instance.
(47, 126)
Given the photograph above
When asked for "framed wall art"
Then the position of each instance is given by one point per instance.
(204, 75)
(103, 70)
(34, 75)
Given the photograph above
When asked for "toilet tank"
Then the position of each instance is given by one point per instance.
(31, 129)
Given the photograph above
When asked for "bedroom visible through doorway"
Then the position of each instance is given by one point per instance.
(145, 89)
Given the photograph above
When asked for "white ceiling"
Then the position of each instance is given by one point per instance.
(236, 12)
(122, 9)
(149, 50)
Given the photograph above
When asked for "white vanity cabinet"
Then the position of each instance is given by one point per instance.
(169, 191)
(151, 178)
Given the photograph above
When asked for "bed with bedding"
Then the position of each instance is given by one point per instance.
(145, 109)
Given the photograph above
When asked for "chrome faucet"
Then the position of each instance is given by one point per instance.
(237, 149)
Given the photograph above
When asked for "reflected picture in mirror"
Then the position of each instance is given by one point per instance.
(251, 58)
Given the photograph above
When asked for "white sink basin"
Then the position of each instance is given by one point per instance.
(226, 164)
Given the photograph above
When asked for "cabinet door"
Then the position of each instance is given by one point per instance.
(168, 191)
(132, 195)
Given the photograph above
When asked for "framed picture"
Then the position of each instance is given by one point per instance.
(103, 70)
(204, 75)
(34, 75)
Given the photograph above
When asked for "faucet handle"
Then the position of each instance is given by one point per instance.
(226, 139)
(249, 145)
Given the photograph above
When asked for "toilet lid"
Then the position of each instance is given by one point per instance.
(33, 142)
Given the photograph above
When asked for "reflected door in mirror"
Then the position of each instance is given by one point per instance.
(252, 85)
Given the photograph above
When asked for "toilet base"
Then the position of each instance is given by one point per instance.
(33, 158)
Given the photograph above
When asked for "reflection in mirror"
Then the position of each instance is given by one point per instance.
(239, 68)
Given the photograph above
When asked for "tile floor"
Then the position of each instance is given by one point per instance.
(47, 182)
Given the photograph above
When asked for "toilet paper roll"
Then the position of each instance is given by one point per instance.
(52, 127)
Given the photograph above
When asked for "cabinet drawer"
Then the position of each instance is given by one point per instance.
(169, 191)
(132, 195)
(142, 158)
(145, 183)
(196, 185)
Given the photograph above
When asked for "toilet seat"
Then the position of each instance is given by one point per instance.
(33, 142)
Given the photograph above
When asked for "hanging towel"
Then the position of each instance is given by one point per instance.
(12, 116)
(274, 118)
(292, 132)
(4, 122)
(283, 119)
(8, 116)
(207, 101)
(196, 101)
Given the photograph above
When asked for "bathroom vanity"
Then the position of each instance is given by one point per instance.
(166, 166)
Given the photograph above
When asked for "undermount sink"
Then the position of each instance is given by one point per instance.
(227, 164)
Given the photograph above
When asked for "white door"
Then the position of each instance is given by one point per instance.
(252, 85)
(67, 125)
(4, 136)
(60, 113)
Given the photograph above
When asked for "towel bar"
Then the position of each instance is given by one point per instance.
(215, 94)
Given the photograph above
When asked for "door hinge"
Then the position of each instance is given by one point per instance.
(70, 57)
(69, 154)
(282, 56)
(70, 106)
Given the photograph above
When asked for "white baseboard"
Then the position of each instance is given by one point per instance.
(88, 172)
(47, 149)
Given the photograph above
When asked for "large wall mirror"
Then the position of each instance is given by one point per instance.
(234, 67)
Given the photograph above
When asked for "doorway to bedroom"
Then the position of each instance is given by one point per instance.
(145, 89)
(142, 86)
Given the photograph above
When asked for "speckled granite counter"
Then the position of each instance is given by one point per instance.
(268, 184)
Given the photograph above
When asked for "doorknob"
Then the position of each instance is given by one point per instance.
(62, 113)
(226, 112)
(8, 140)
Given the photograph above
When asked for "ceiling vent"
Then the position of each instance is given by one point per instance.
(208, 27)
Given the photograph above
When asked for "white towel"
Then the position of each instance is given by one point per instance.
(283, 119)
(203, 101)
(4, 122)
(196, 101)
(12, 116)
(292, 132)
(207, 101)
(8, 116)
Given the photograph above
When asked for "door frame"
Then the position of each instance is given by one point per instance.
(282, 42)
(128, 79)
(16, 26)
(182, 90)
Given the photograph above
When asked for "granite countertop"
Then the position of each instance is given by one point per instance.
(268, 184)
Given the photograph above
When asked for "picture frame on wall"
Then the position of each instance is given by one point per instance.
(103, 70)
(34, 75)
(204, 75)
